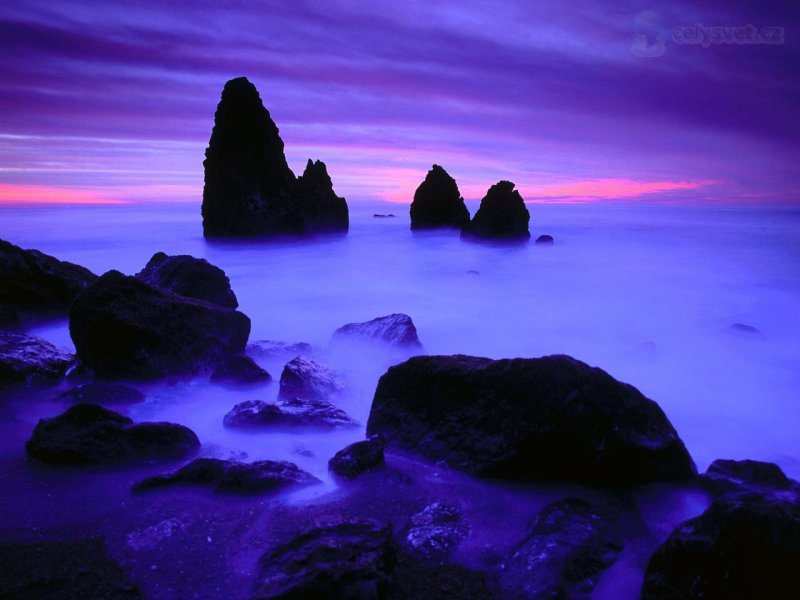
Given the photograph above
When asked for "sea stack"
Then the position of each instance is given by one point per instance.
(250, 191)
(438, 203)
(502, 216)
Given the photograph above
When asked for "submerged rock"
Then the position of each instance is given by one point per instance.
(102, 392)
(27, 360)
(358, 458)
(239, 369)
(502, 216)
(249, 188)
(295, 412)
(525, 419)
(742, 329)
(232, 476)
(545, 239)
(436, 531)
(124, 328)
(278, 349)
(438, 203)
(341, 559)
(564, 549)
(395, 330)
(309, 380)
(189, 276)
(90, 434)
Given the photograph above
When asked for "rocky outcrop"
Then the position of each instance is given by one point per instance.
(358, 458)
(90, 434)
(124, 328)
(438, 203)
(436, 531)
(396, 330)
(502, 216)
(562, 552)
(232, 476)
(28, 360)
(34, 284)
(293, 413)
(239, 369)
(309, 380)
(102, 392)
(189, 276)
(545, 239)
(249, 188)
(340, 559)
(526, 419)
(745, 545)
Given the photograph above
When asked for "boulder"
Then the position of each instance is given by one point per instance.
(438, 203)
(124, 328)
(239, 369)
(102, 392)
(278, 349)
(90, 434)
(249, 188)
(745, 545)
(27, 360)
(233, 476)
(564, 549)
(527, 419)
(296, 412)
(358, 458)
(395, 330)
(502, 216)
(309, 380)
(189, 276)
(340, 559)
(436, 531)
(34, 284)
(545, 239)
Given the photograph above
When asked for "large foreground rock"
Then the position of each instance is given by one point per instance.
(26, 360)
(249, 188)
(307, 379)
(547, 418)
(438, 203)
(90, 434)
(395, 330)
(350, 559)
(746, 545)
(502, 216)
(291, 413)
(189, 276)
(124, 328)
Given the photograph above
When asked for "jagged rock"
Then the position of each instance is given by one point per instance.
(526, 419)
(102, 392)
(342, 559)
(745, 545)
(358, 458)
(26, 360)
(232, 476)
(72, 570)
(124, 328)
(438, 203)
(34, 284)
(309, 380)
(189, 276)
(502, 216)
(562, 552)
(240, 370)
(277, 349)
(295, 412)
(545, 239)
(90, 434)
(395, 330)
(249, 188)
(436, 531)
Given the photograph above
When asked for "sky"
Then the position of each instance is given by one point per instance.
(586, 101)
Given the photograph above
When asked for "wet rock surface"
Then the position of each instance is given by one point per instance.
(239, 369)
(102, 392)
(396, 330)
(436, 531)
(438, 203)
(547, 418)
(358, 458)
(189, 276)
(502, 216)
(292, 413)
(28, 360)
(309, 380)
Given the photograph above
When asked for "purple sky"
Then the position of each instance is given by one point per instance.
(102, 102)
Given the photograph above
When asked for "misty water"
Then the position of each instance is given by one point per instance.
(649, 294)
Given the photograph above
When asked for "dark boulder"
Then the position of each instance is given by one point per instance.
(124, 328)
(545, 239)
(102, 392)
(27, 360)
(239, 369)
(545, 418)
(90, 434)
(438, 203)
(232, 476)
(436, 531)
(189, 276)
(34, 284)
(346, 559)
(309, 380)
(358, 458)
(293, 413)
(746, 545)
(502, 216)
(249, 188)
(278, 349)
(564, 549)
(395, 330)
